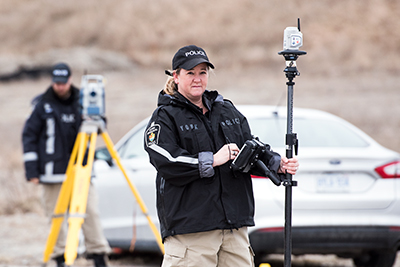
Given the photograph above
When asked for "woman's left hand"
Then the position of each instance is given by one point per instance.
(290, 165)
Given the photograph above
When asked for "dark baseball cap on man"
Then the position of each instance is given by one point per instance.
(189, 57)
(61, 73)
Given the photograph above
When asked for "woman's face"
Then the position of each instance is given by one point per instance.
(192, 83)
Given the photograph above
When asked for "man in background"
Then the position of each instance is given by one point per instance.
(48, 138)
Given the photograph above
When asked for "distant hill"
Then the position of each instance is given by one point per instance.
(339, 36)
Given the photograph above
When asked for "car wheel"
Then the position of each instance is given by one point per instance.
(376, 259)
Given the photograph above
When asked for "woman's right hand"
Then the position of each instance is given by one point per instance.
(226, 153)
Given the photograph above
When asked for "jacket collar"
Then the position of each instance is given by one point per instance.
(50, 95)
(209, 99)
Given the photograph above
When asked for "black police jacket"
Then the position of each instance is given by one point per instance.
(49, 135)
(192, 196)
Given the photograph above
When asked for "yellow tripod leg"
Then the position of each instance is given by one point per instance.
(115, 156)
(61, 205)
(79, 195)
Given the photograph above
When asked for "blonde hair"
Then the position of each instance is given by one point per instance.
(171, 87)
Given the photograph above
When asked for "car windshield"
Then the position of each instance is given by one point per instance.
(133, 147)
(310, 132)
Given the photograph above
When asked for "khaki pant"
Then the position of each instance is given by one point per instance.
(221, 248)
(95, 241)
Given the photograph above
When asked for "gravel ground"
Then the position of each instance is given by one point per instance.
(23, 238)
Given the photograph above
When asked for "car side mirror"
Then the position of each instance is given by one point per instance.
(103, 154)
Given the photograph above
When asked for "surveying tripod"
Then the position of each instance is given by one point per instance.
(74, 190)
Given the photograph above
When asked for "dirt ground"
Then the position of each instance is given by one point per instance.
(23, 237)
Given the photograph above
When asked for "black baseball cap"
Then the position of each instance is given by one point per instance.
(61, 73)
(189, 57)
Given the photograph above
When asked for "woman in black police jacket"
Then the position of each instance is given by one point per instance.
(191, 139)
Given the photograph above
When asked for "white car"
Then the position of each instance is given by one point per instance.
(347, 201)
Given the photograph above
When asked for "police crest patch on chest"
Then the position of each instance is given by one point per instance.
(152, 134)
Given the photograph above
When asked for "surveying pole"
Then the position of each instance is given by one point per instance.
(292, 40)
(74, 190)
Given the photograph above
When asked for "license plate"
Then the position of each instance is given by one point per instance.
(333, 183)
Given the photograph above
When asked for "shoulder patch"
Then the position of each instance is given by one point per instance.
(47, 108)
(152, 134)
